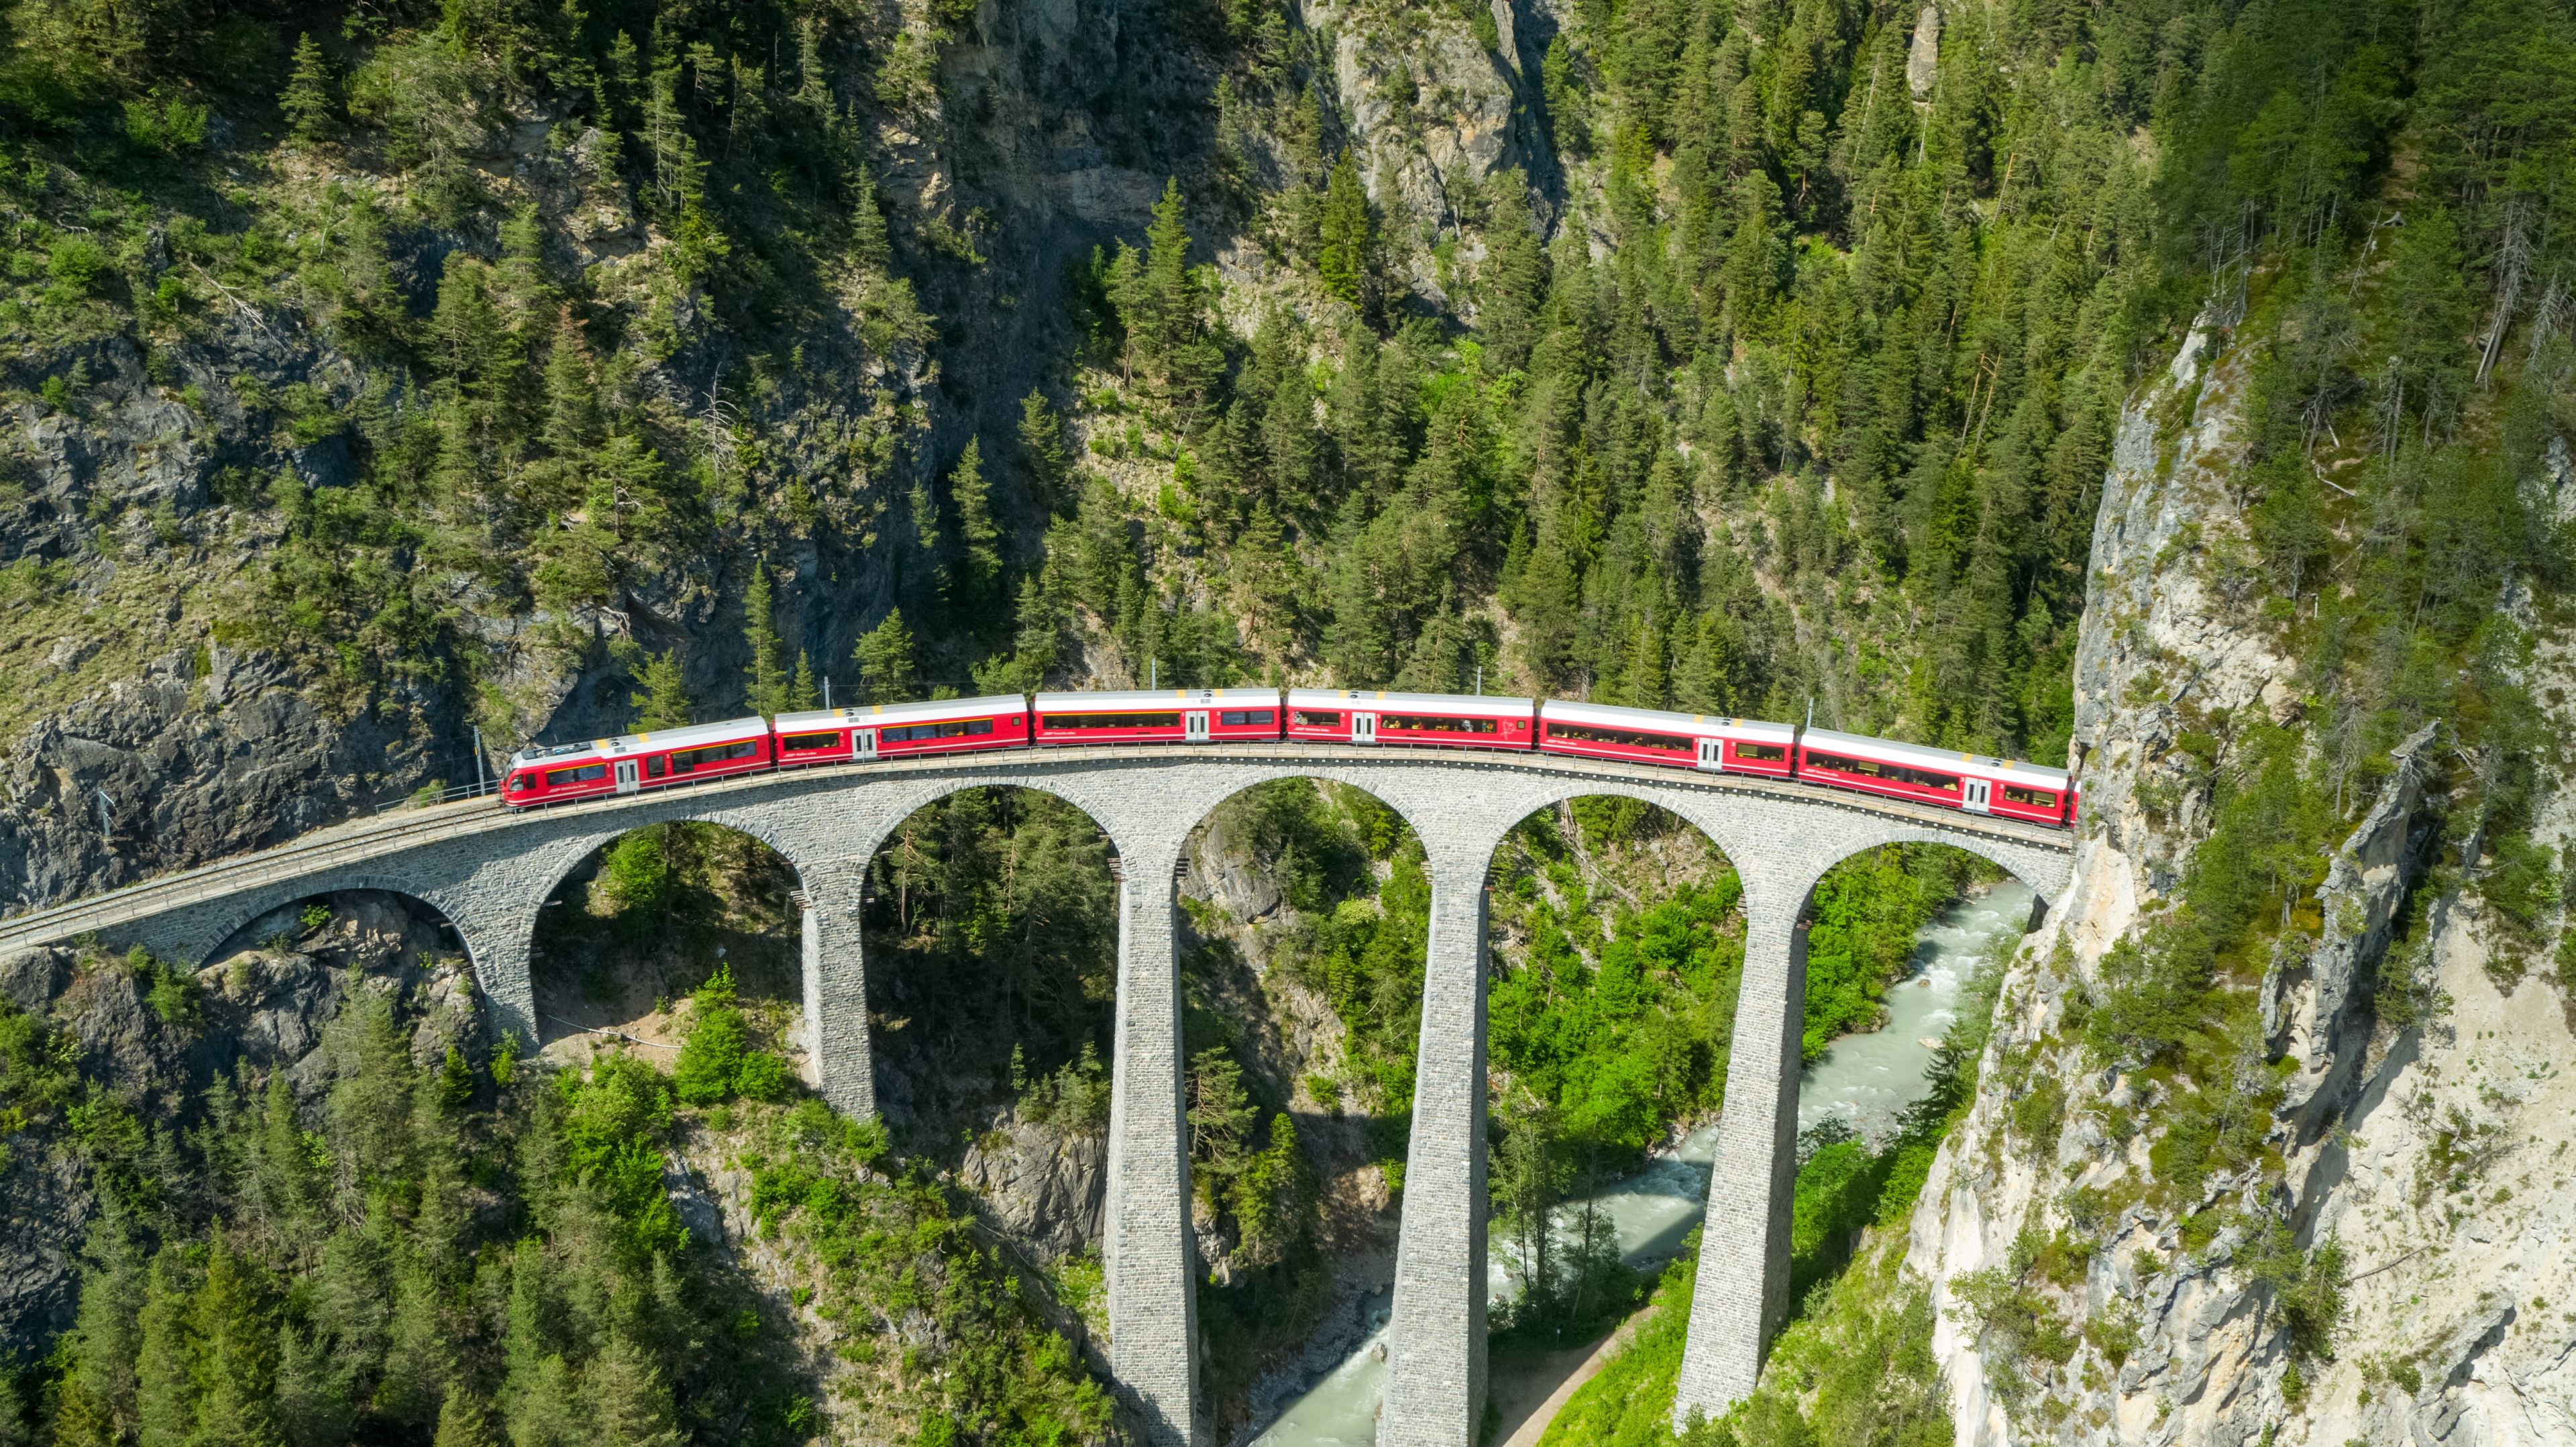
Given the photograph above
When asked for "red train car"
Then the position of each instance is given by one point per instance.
(893, 730)
(635, 762)
(1977, 785)
(1653, 736)
(1170, 716)
(1442, 720)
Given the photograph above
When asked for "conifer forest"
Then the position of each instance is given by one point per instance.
(2177, 392)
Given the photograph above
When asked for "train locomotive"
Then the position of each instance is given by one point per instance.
(1649, 738)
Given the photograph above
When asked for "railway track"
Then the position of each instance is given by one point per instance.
(387, 836)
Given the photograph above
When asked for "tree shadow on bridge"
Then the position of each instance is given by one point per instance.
(638, 925)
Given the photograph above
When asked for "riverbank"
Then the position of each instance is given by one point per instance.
(1865, 1081)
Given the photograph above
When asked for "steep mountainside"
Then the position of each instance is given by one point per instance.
(2177, 387)
(2377, 1253)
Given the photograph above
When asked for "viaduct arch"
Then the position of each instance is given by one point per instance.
(489, 872)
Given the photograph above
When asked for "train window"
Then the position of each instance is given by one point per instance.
(1631, 738)
(1765, 753)
(2029, 798)
(808, 743)
(1893, 773)
(1306, 718)
(689, 760)
(953, 728)
(1113, 720)
(1236, 717)
(1418, 724)
(654, 767)
(581, 775)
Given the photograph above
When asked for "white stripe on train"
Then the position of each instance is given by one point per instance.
(627, 764)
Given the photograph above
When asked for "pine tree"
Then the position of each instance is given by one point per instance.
(98, 1393)
(1512, 282)
(465, 1420)
(884, 654)
(768, 667)
(663, 702)
(237, 1363)
(1034, 643)
(924, 509)
(972, 495)
(803, 696)
(313, 1408)
(307, 99)
(627, 1400)
(165, 1405)
(868, 242)
(1288, 438)
(1347, 252)
(1042, 447)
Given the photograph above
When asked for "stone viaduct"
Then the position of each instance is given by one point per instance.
(490, 872)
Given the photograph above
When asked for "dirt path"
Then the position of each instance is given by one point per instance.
(1529, 1388)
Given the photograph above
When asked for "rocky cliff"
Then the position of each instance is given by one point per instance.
(2387, 1258)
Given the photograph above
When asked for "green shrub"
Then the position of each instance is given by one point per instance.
(77, 262)
(717, 1061)
(165, 126)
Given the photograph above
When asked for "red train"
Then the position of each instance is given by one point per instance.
(1651, 737)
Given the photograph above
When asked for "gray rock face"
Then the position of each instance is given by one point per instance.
(1923, 56)
(1041, 1183)
(2308, 1003)
(193, 768)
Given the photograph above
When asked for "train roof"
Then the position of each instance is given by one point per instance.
(870, 715)
(1870, 748)
(1488, 705)
(732, 730)
(1172, 698)
(1613, 715)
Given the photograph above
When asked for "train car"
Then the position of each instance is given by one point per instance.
(1169, 716)
(635, 762)
(894, 730)
(1653, 736)
(1442, 720)
(1970, 782)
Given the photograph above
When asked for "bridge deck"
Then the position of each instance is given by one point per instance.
(384, 836)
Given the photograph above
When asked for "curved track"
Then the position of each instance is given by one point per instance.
(386, 836)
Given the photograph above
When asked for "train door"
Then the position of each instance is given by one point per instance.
(1712, 755)
(629, 776)
(1979, 794)
(1194, 725)
(1363, 728)
(863, 743)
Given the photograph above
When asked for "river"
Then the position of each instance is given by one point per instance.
(1867, 1080)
